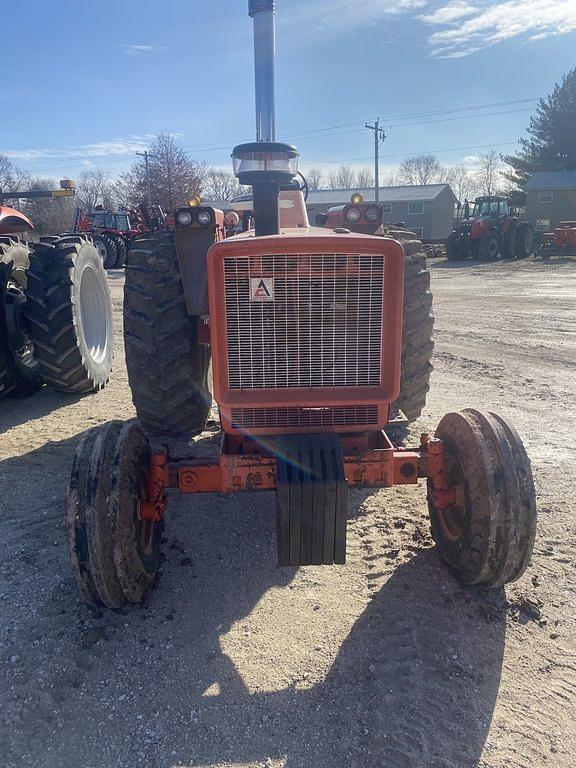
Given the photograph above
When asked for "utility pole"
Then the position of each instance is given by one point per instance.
(379, 138)
(146, 155)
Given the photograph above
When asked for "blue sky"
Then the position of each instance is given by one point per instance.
(86, 84)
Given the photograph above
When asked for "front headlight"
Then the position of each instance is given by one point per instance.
(373, 214)
(353, 215)
(184, 218)
(204, 218)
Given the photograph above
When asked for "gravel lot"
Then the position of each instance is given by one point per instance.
(386, 662)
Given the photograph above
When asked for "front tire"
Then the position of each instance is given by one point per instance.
(167, 367)
(487, 536)
(454, 248)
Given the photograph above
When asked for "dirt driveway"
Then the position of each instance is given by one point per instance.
(386, 662)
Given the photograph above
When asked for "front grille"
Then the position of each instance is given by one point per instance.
(309, 320)
(270, 418)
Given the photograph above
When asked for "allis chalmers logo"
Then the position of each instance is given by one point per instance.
(261, 289)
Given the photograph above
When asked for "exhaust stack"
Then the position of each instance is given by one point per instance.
(265, 165)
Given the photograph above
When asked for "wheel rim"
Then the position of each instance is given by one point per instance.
(493, 247)
(93, 302)
(147, 531)
(19, 341)
(452, 520)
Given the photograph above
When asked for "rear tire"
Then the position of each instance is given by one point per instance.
(19, 370)
(167, 367)
(418, 325)
(69, 314)
(121, 252)
(523, 241)
(489, 246)
(106, 248)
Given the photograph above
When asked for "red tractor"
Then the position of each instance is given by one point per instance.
(489, 231)
(114, 231)
(304, 327)
(55, 310)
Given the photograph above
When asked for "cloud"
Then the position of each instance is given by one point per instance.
(98, 149)
(335, 17)
(472, 27)
(137, 50)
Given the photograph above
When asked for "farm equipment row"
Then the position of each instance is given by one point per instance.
(307, 329)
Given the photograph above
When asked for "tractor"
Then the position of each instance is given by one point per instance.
(55, 310)
(560, 243)
(114, 231)
(296, 332)
(492, 229)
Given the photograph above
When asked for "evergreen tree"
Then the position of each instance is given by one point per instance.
(551, 145)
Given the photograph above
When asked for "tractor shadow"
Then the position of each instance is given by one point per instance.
(222, 665)
(15, 411)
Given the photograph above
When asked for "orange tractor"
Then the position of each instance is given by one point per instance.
(55, 308)
(561, 242)
(303, 326)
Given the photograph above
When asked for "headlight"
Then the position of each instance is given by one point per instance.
(372, 214)
(204, 218)
(353, 215)
(184, 218)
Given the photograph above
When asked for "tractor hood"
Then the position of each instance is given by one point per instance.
(12, 221)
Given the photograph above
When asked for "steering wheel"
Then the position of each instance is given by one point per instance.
(304, 186)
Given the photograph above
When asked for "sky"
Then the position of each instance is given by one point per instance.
(86, 85)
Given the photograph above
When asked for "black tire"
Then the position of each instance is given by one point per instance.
(487, 537)
(19, 370)
(524, 241)
(489, 246)
(106, 247)
(115, 554)
(69, 314)
(167, 368)
(417, 334)
(121, 251)
(509, 241)
(454, 251)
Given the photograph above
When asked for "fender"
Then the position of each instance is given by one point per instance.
(12, 221)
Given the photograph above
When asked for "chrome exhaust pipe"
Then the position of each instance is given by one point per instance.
(262, 11)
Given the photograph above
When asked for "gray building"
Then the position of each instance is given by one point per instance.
(551, 199)
(427, 210)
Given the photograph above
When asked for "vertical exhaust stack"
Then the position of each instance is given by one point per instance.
(265, 165)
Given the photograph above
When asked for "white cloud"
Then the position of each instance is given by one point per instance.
(343, 16)
(137, 50)
(470, 28)
(98, 149)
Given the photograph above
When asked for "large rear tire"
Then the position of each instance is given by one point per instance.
(418, 326)
(19, 370)
(167, 367)
(523, 241)
(489, 246)
(106, 247)
(121, 251)
(69, 314)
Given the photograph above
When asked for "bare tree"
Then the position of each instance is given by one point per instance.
(221, 185)
(462, 181)
(365, 178)
(315, 179)
(343, 177)
(421, 170)
(174, 176)
(12, 178)
(94, 187)
(50, 216)
(488, 173)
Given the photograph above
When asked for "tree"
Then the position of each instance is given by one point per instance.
(421, 170)
(364, 178)
(488, 173)
(174, 176)
(221, 185)
(315, 179)
(94, 187)
(343, 177)
(551, 145)
(462, 182)
(50, 216)
(11, 177)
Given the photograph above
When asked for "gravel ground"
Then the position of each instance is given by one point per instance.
(387, 662)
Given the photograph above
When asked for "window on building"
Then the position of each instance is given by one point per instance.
(386, 207)
(545, 196)
(543, 225)
(416, 207)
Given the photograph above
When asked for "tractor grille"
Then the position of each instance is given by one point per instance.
(309, 320)
(271, 418)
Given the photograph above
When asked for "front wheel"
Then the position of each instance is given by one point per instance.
(454, 250)
(487, 536)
